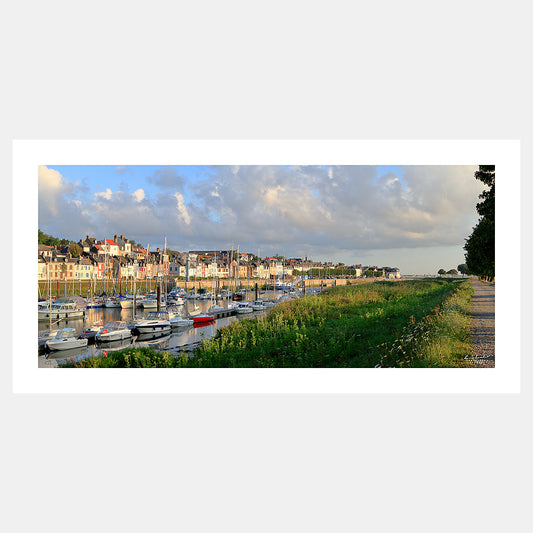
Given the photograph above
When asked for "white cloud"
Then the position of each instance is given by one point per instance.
(52, 187)
(182, 210)
(106, 194)
(60, 212)
(139, 195)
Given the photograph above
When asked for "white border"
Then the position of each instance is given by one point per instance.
(504, 378)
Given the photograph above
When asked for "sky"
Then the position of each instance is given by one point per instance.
(411, 217)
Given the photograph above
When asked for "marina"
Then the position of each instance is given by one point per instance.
(191, 323)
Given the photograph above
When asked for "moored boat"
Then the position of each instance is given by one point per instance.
(151, 303)
(180, 321)
(45, 336)
(113, 303)
(113, 331)
(216, 309)
(62, 308)
(126, 302)
(155, 322)
(90, 332)
(95, 303)
(66, 339)
(259, 305)
(203, 317)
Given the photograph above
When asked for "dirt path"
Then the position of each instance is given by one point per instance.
(482, 329)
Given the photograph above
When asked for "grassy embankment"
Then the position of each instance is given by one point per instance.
(419, 323)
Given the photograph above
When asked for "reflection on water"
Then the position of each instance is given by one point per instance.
(178, 337)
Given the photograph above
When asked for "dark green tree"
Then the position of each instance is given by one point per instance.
(441, 272)
(75, 250)
(480, 245)
(463, 269)
(452, 272)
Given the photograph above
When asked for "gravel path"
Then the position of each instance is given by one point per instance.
(482, 328)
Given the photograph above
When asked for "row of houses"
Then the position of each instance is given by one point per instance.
(118, 258)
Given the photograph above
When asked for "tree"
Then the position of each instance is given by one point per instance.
(463, 269)
(452, 272)
(480, 245)
(75, 250)
(441, 272)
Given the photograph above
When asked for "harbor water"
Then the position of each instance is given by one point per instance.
(177, 339)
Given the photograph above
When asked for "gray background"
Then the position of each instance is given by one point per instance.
(293, 70)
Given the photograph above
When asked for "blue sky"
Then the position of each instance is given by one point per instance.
(412, 217)
(133, 177)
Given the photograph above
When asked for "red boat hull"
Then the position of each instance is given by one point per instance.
(198, 319)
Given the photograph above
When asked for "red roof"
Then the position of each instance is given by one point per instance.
(110, 242)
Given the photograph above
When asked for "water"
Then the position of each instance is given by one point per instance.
(171, 342)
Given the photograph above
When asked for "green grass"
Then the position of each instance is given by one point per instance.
(131, 358)
(355, 326)
(414, 323)
(440, 339)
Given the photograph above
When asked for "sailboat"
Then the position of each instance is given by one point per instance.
(215, 308)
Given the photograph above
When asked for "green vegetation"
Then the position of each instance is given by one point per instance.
(48, 240)
(75, 250)
(355, 326)
(440, 339)
(463, 269)
(480, 245)
(131, 358)
(419, 323)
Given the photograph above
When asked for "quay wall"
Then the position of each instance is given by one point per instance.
(83, 288)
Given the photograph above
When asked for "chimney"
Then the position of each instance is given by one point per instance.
(122, 237)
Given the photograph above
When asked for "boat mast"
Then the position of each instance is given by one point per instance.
(230, 263)
(49, 296)
(238, 264)
(165, 270)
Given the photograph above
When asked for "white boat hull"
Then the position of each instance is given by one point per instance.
(179, 321)
(44, 315)
(113, 336)
(66, 344)
(155, 328)
(152, 304)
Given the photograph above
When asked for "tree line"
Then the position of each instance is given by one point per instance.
(480, 244)
(48, 240)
